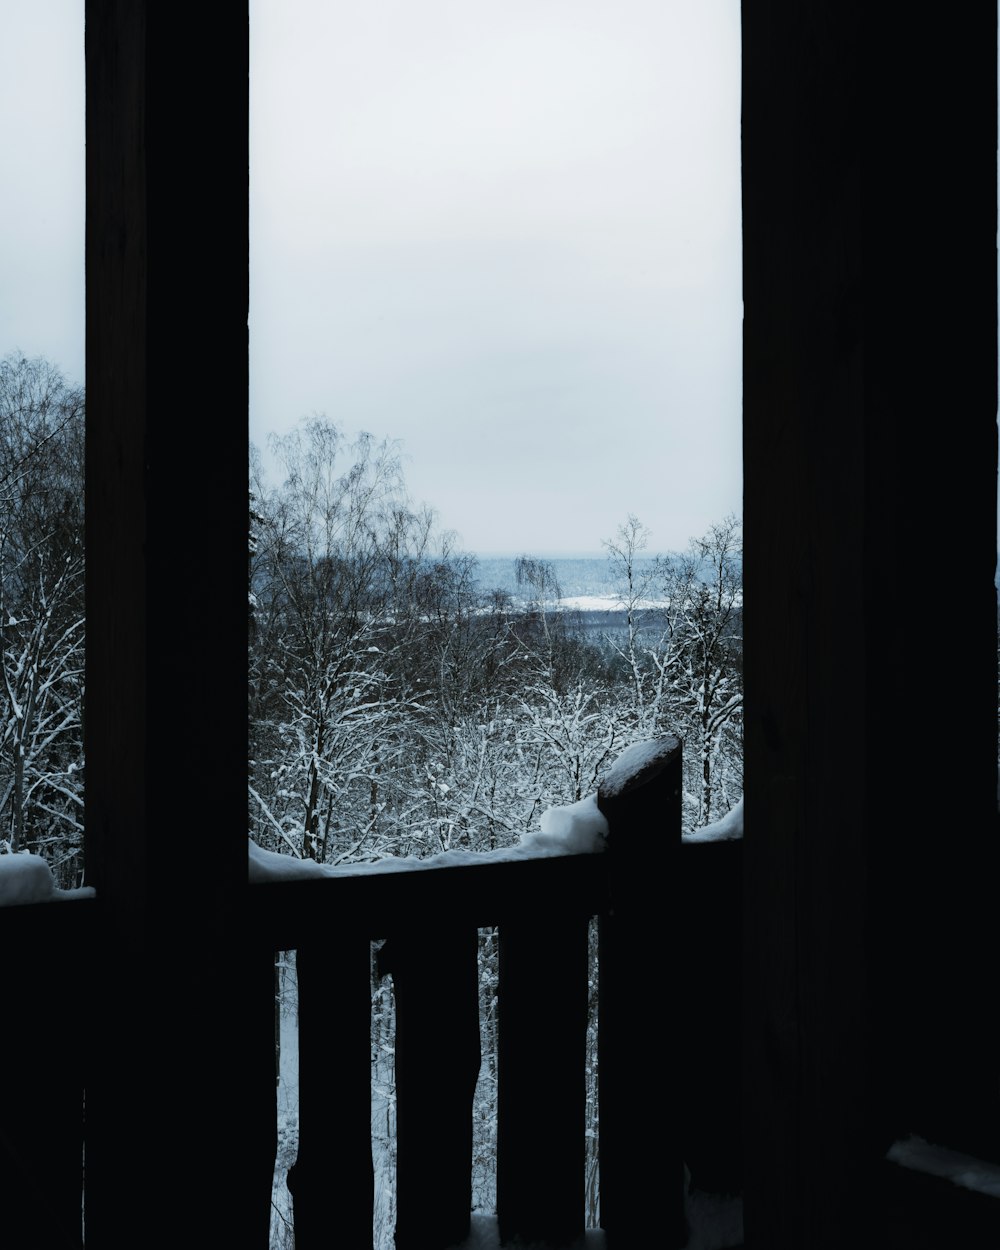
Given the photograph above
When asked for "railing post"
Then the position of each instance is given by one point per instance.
(709, 983)
(49, 948)
(332, 1181)
(436, 989)
(641, 1168)
(541, 1077)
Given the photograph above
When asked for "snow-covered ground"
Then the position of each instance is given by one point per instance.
(606, 603)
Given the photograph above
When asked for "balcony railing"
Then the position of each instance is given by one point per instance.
(541, 907)
(668, 1047)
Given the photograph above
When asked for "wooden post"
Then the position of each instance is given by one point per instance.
(47, 950)
(436, 989)
(332, 1181)
(710, 997)
(640, 1158)
(540, 1070)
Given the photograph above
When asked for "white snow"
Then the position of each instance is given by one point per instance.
(728, 828)
(961, 1169)
(574, 830)
(26, 878)
(606, 603)
(634, 761)
(578, 829)
(270, 866)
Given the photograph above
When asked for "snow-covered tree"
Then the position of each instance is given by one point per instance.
(648, 648)
(704, 589)
(679, 655)
(41, 613)
(360, 653)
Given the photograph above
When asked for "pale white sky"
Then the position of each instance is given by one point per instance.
(42, 164)
(506, 234)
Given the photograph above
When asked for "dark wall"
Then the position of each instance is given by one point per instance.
(869, 194)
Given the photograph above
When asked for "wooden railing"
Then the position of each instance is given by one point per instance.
(541, 908)
(668, 1019)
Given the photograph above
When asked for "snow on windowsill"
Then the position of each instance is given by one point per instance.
(26, 878)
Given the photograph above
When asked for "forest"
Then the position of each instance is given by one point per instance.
(41, 616)
(398, 706)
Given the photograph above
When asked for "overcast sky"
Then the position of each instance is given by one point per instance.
(42, 181)
(506, 234)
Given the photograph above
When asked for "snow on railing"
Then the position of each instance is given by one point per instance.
(728, 828)
(578, 829)
(26, 878)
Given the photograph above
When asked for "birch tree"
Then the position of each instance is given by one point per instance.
(648, 648)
